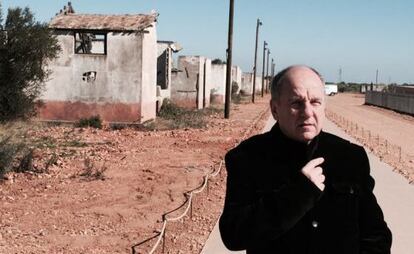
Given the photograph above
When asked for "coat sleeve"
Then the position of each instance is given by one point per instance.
(250, 218)
(375, 236)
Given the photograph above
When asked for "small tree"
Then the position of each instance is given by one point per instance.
(25, 48)
(218, 61)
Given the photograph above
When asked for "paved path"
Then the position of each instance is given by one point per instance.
(393, 192)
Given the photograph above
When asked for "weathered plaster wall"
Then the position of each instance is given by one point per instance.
(207, 86)
(149, 74)
(161, 48)
(247, 83)
(115, 93)
(258, 84)
(188, 88)
(236, 76)
(218, 83)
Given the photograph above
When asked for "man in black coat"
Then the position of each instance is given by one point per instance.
(297, 189)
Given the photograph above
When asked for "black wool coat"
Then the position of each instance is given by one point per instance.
(271, 207)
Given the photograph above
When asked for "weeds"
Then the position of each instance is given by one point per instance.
(175, 117)
(91, 172)
(45, 142)
(14, 156)
(240, 98)
(73, 143)
(52, 160)
(94, 122)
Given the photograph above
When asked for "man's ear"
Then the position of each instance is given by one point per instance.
(273, 109)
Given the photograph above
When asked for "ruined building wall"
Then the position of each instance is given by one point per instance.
(218, 83)
(149, 74)
(119, 89)
(188, 88)
(247, 83)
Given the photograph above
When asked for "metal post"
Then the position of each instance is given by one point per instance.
(255, 59)
(229, 62)
(267, 71)
(264, 59)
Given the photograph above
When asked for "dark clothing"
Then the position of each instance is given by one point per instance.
(271, 207)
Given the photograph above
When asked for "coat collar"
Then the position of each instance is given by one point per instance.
(292, 147)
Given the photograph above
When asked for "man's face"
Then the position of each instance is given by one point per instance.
(300, 109)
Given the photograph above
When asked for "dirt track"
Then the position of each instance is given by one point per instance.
(390, 135)
(68, 209)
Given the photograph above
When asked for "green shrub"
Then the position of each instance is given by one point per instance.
(94, 121)
(14, 156)
(26, 46)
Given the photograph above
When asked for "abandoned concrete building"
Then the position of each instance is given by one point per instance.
(107, 67)
(191, 83)
(165, 65)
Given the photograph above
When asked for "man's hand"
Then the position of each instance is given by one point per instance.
(315, 173)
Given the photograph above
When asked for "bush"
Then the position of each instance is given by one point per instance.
(14, 156)
(94, 121)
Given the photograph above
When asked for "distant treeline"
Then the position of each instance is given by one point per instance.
(356, 87)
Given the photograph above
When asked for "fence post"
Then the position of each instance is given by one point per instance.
(399, 153)
(386, 146)
(163, 240)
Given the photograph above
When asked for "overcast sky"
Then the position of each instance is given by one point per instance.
(357, 36)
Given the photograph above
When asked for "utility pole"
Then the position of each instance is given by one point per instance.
(273, 68)
(376, 78)
(229, 62)
(340, 75)
(255, 59)
(267, 71)
(264, 59)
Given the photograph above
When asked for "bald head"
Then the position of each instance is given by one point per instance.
(297, 73)
(298, 102)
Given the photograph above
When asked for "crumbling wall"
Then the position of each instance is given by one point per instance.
(247, 83)
(258, 84)
(191, 86)
(149, 74)
(118, 86)
(218, 83)
(236, 78)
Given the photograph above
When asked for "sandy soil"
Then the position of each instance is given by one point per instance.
(390, 135)
(106, 190)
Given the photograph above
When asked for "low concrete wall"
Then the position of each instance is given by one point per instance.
(399, 102)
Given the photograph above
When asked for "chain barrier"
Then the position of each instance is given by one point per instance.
(189, 197)
(383, 148)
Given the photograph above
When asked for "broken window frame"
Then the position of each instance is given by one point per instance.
(87, 32)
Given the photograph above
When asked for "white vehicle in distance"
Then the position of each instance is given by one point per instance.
(331, 89)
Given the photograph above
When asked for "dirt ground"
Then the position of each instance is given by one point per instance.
(388, 134)
(105, 191)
